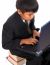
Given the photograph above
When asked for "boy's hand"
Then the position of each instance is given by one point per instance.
(36, 33)
(29, 41)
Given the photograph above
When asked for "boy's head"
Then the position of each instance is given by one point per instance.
(27, 8)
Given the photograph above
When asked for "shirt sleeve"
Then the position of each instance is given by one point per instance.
(8, 42)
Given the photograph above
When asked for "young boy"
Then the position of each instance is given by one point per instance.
(19, 29)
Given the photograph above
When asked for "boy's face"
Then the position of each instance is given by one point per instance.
(27, 15)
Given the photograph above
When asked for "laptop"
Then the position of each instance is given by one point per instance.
(37, 50)
(44, 40)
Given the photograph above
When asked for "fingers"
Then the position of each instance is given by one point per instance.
(29, 41)
(34, 41)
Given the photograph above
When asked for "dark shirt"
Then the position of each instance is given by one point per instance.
(14, 30)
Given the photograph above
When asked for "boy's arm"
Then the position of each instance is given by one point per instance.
(34, 29)
(36, 33)
(7, 38)
(8, 41)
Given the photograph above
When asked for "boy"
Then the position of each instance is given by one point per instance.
(19, 29)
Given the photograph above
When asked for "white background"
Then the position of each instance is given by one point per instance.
(7, 7)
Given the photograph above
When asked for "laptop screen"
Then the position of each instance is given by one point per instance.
(44, 40)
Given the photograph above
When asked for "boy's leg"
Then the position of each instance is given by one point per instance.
(35, 61)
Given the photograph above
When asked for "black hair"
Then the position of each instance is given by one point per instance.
(27, 5)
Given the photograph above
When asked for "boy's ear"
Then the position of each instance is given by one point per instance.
(19, 11)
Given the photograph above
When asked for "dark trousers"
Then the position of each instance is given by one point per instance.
(46, 57)
(34, 61)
